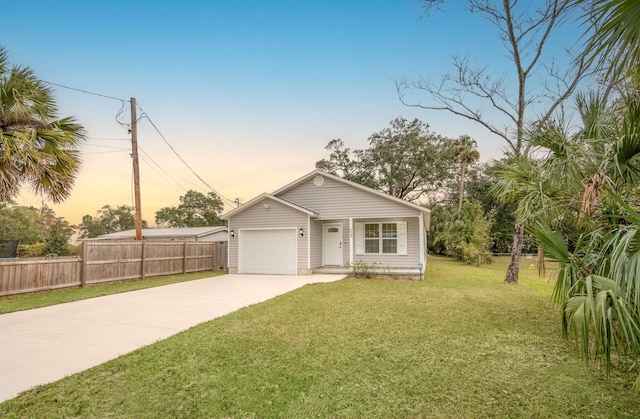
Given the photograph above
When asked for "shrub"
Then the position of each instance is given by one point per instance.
(362, 268)
(461, 234)
(41, 250)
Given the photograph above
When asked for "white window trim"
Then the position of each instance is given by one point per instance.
(401, 248)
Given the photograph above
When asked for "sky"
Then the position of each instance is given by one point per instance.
(247, 92)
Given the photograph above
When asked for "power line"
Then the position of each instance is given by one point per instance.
(145, 115)
(166, 175)
(160, 174)
(107, 146)
(188, 181)
(85, 91)
(122, 101)
(108, 139)
(106, 152)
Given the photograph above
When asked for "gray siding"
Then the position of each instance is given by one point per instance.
(278, 215)
(316, 243)
(410, 260)
(336, 200)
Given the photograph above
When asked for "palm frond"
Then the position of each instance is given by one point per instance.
(555, 248)
(616, 42)
(36, 148)
(576, 319)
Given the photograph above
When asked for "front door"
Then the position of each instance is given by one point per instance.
(332, 237)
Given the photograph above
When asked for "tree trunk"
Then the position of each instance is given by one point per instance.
(542, 269)
(514, 263)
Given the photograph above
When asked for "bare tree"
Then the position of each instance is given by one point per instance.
(524, 27)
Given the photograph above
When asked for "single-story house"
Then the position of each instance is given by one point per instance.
(324, 223)
(192, 234)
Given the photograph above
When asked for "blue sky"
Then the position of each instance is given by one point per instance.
(247, 92)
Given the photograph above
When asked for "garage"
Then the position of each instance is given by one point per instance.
(267, 251)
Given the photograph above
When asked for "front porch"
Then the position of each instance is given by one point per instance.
(387, 272)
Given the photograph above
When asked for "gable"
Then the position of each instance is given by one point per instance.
(261, 199)
(267, 212)
(334, 199)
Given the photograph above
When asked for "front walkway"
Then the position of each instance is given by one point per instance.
(46, 344)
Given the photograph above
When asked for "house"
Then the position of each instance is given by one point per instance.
(197, 234)
(324, 223)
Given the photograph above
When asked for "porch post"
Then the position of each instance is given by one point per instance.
(422, 238)
(351, 241)
(309, 243)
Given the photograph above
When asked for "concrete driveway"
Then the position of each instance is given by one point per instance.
(46, 344)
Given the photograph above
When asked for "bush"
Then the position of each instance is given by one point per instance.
(461, 234)
(74, 250)
(31, 250)
(41, 250)
(362, 268)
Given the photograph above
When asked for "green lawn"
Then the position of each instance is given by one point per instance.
(459, 344)
(49, 298)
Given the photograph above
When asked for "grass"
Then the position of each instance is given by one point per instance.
(459, 344)
(43, 299)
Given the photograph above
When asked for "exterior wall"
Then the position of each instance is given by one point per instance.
(316, 243)
(278, 215)
(335, 200)
(410, 260)
(218, 236)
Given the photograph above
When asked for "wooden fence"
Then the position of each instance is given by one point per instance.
(105, 261)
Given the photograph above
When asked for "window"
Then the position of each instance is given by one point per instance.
(381, 238)
(390, 238)
(372, 238)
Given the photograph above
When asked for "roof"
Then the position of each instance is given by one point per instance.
(259, 198)
(165, 232)
(235, 211)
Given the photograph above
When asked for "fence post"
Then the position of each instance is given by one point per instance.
(143, 267)
(83, 264)
(184, 258)
(214, 254)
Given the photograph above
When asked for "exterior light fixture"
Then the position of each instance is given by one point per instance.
(301, 232)
(232, 234)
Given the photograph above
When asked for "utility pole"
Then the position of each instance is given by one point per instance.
(136, 168)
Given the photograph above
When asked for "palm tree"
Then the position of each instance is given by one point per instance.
(466, 153)
(595, 239)
(598, 286)
(535, 190)
(615, 44)
(36, 147)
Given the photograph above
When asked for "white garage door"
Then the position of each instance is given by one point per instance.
(267, 252)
